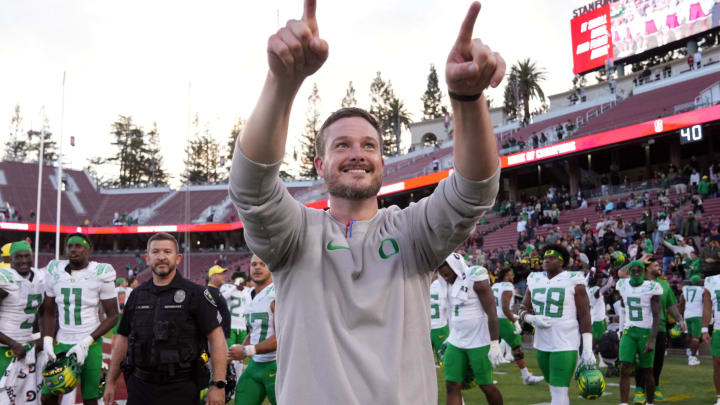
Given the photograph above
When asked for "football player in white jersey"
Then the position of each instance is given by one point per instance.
(237, 297)
(508, 324)
(641, 304)
(556, 303)
(258, 380)
(75, 291)
(711, 310)
(439, 329)
(21, 293)
(691, 301)
(474, 336)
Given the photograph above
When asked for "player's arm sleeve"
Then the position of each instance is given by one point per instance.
(272, 218)
(205, 312)
(439, 223)
(108, 291)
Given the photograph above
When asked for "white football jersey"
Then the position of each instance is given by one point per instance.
(498, 290)
(237, 301)
(637, 302)
(712, 285)
(19, 308)
(693, 301)
(555, 300)
(468, 320)
(77, 296)
(438, 304)
(260, 320)
(597, 305)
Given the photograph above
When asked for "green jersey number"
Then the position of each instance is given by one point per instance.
(690, 294)
(634, 309)
(264, 319)
(77, 293)
(31, 308)
(434, 308)
(235, 303)
(552, 307)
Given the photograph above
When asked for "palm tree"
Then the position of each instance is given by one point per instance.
(398, 117)
(529, 75)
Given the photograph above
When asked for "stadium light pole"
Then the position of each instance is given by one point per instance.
(59, 174)
(187, 188)
(39, 192)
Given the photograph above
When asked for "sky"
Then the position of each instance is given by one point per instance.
(165, 61)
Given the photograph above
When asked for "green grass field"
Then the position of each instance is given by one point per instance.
(680, 384)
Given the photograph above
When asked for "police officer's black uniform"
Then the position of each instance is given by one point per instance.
(167, 328)
(222, 307)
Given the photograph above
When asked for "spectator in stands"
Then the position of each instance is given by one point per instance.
(543, 139)
(668, 254)
(710, 258)
(703, 187)
(555, 214)
(691, 228)
(694, 180)
(697, 203)
(609, 207)
(698, 58)
(691, 61)
(522, 224)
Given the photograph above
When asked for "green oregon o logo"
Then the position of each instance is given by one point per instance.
(392, 248)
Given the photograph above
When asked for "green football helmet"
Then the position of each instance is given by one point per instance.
(590, 381)
(619, 259)
(676, 331)
(62, 375)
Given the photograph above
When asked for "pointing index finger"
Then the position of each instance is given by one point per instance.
(466, 29)
(309, 10)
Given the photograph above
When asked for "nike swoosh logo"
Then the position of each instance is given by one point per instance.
(330, 246)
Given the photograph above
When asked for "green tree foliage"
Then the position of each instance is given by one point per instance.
(529, 77)
(349, 99)
(398, 117)
(16, 145)
(49, 148)
(237, 129)
(310, 133)
(202, 156)
(432, 98)
(137, 157)
(510, 104)
(381, 97)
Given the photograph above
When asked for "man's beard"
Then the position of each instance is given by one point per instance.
(339, 190)
(162, 275)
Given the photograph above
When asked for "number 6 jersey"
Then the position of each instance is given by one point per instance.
(260, 321)
(78, 297)
(555, 299)
(637, 302)
(18, 309)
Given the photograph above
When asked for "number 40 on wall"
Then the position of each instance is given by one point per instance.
(691, 134)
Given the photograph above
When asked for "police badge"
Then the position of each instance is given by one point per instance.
(179, 296)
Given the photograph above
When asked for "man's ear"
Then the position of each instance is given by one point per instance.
(319, 166)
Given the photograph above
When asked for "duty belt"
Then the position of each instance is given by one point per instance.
(159, 377)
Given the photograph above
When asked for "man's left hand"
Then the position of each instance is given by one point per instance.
(216, 396)
(588, 357)
(472, 66)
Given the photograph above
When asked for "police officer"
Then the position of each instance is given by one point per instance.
(165, 330)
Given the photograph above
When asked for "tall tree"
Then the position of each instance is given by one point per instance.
(155, 167)
(230, 146)
(510, 96)
(398, 117)
(529, 77)
(349, 99)
(16, 145)
(49, 146)
(432, 98)
(309, 135)
(133, 153)
(202, 161)
(381, 95)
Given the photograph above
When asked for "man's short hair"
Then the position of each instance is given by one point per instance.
(345, 112)
(163, 236)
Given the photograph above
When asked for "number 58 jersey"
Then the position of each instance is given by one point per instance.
(554, 298)
(18, 309)
(260, 321)
(77, 296)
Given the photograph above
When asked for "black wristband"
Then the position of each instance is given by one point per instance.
(463, 97)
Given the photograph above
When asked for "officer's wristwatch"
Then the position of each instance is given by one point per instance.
(219, 384)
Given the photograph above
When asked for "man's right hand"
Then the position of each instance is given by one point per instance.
(296, 51)
(109, 396)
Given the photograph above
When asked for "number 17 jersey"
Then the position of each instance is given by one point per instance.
(260, 321)
(554, 298)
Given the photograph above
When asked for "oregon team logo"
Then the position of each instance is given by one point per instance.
(388, 247)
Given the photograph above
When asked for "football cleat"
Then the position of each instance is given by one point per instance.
(532, 379)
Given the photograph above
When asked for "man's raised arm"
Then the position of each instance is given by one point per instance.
(471, 68)
(294, 53)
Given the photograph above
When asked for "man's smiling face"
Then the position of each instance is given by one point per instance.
(352, 162)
